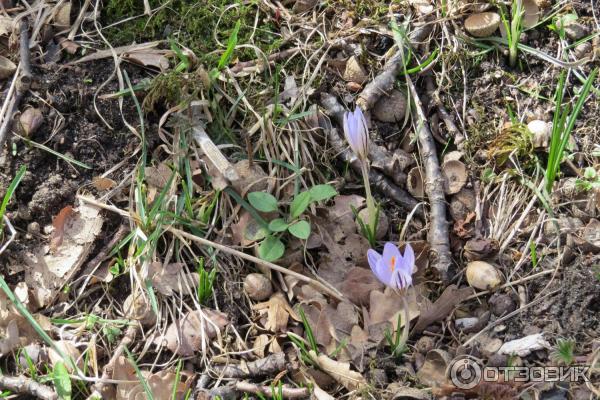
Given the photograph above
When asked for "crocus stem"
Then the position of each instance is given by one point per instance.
(406, 327)
(370, 202)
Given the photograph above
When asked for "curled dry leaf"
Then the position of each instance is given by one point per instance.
(443, 306)
(7, 67)
(340, 371)
(277, 312)
(137, 306)
(386, 307)
(172, 278)
(6, 26)
(524, 346)
(68, 349)
(188, 334)
(482, 24)
(154, 58)
(10, 338)
(62, 18)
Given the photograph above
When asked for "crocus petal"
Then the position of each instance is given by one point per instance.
(402, 280)
(391, 250)
(407, 264)
(356, 132)
(373, 258)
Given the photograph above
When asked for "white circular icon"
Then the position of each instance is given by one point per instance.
(465, 373)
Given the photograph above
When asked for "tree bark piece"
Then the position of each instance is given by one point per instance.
(24, 385)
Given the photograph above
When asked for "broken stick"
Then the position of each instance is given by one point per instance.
(434, 188)
(24, 385)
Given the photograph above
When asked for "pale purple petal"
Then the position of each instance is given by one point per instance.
(408, 260)
(373, 258)
(391, 250)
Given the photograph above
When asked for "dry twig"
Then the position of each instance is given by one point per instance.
(267, 366)
(24, 385)
(22, 83)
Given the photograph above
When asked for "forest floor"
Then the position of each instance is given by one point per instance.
(180, 199)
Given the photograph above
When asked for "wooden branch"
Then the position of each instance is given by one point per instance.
(267, 366)
(439, 239)
(24, 385)
(23, 82)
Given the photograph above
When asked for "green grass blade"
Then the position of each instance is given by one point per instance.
(9, 193)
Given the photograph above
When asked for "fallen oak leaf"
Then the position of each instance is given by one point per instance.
(340, 371)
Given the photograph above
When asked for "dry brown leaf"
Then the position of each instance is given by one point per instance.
(442, 307)
(171, 277)
(47, 273)
(69, 350)
(154, 58)
(103, 184)
(358, 285)
(10, 338)
(277, 311)
(340, 371)
(186, 335)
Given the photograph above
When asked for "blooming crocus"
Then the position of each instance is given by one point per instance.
(392, 268)
(357, 134)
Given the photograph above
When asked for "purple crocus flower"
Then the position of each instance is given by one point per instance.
(357, 133)
(392, 268)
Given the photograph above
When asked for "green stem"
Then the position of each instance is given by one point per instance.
(370, 202)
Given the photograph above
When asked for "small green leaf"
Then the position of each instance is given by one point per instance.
(299, 204)
(589, 173)
(300, 229)
(322, 192)
(62, 381)
(271, 249)
(278, 225)
(262, 201)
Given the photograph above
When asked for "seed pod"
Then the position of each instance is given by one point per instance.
(414, 183)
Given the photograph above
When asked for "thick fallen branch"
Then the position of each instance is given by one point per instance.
(382, 84)
(268, 366)
(24, 385)
(439, 238)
